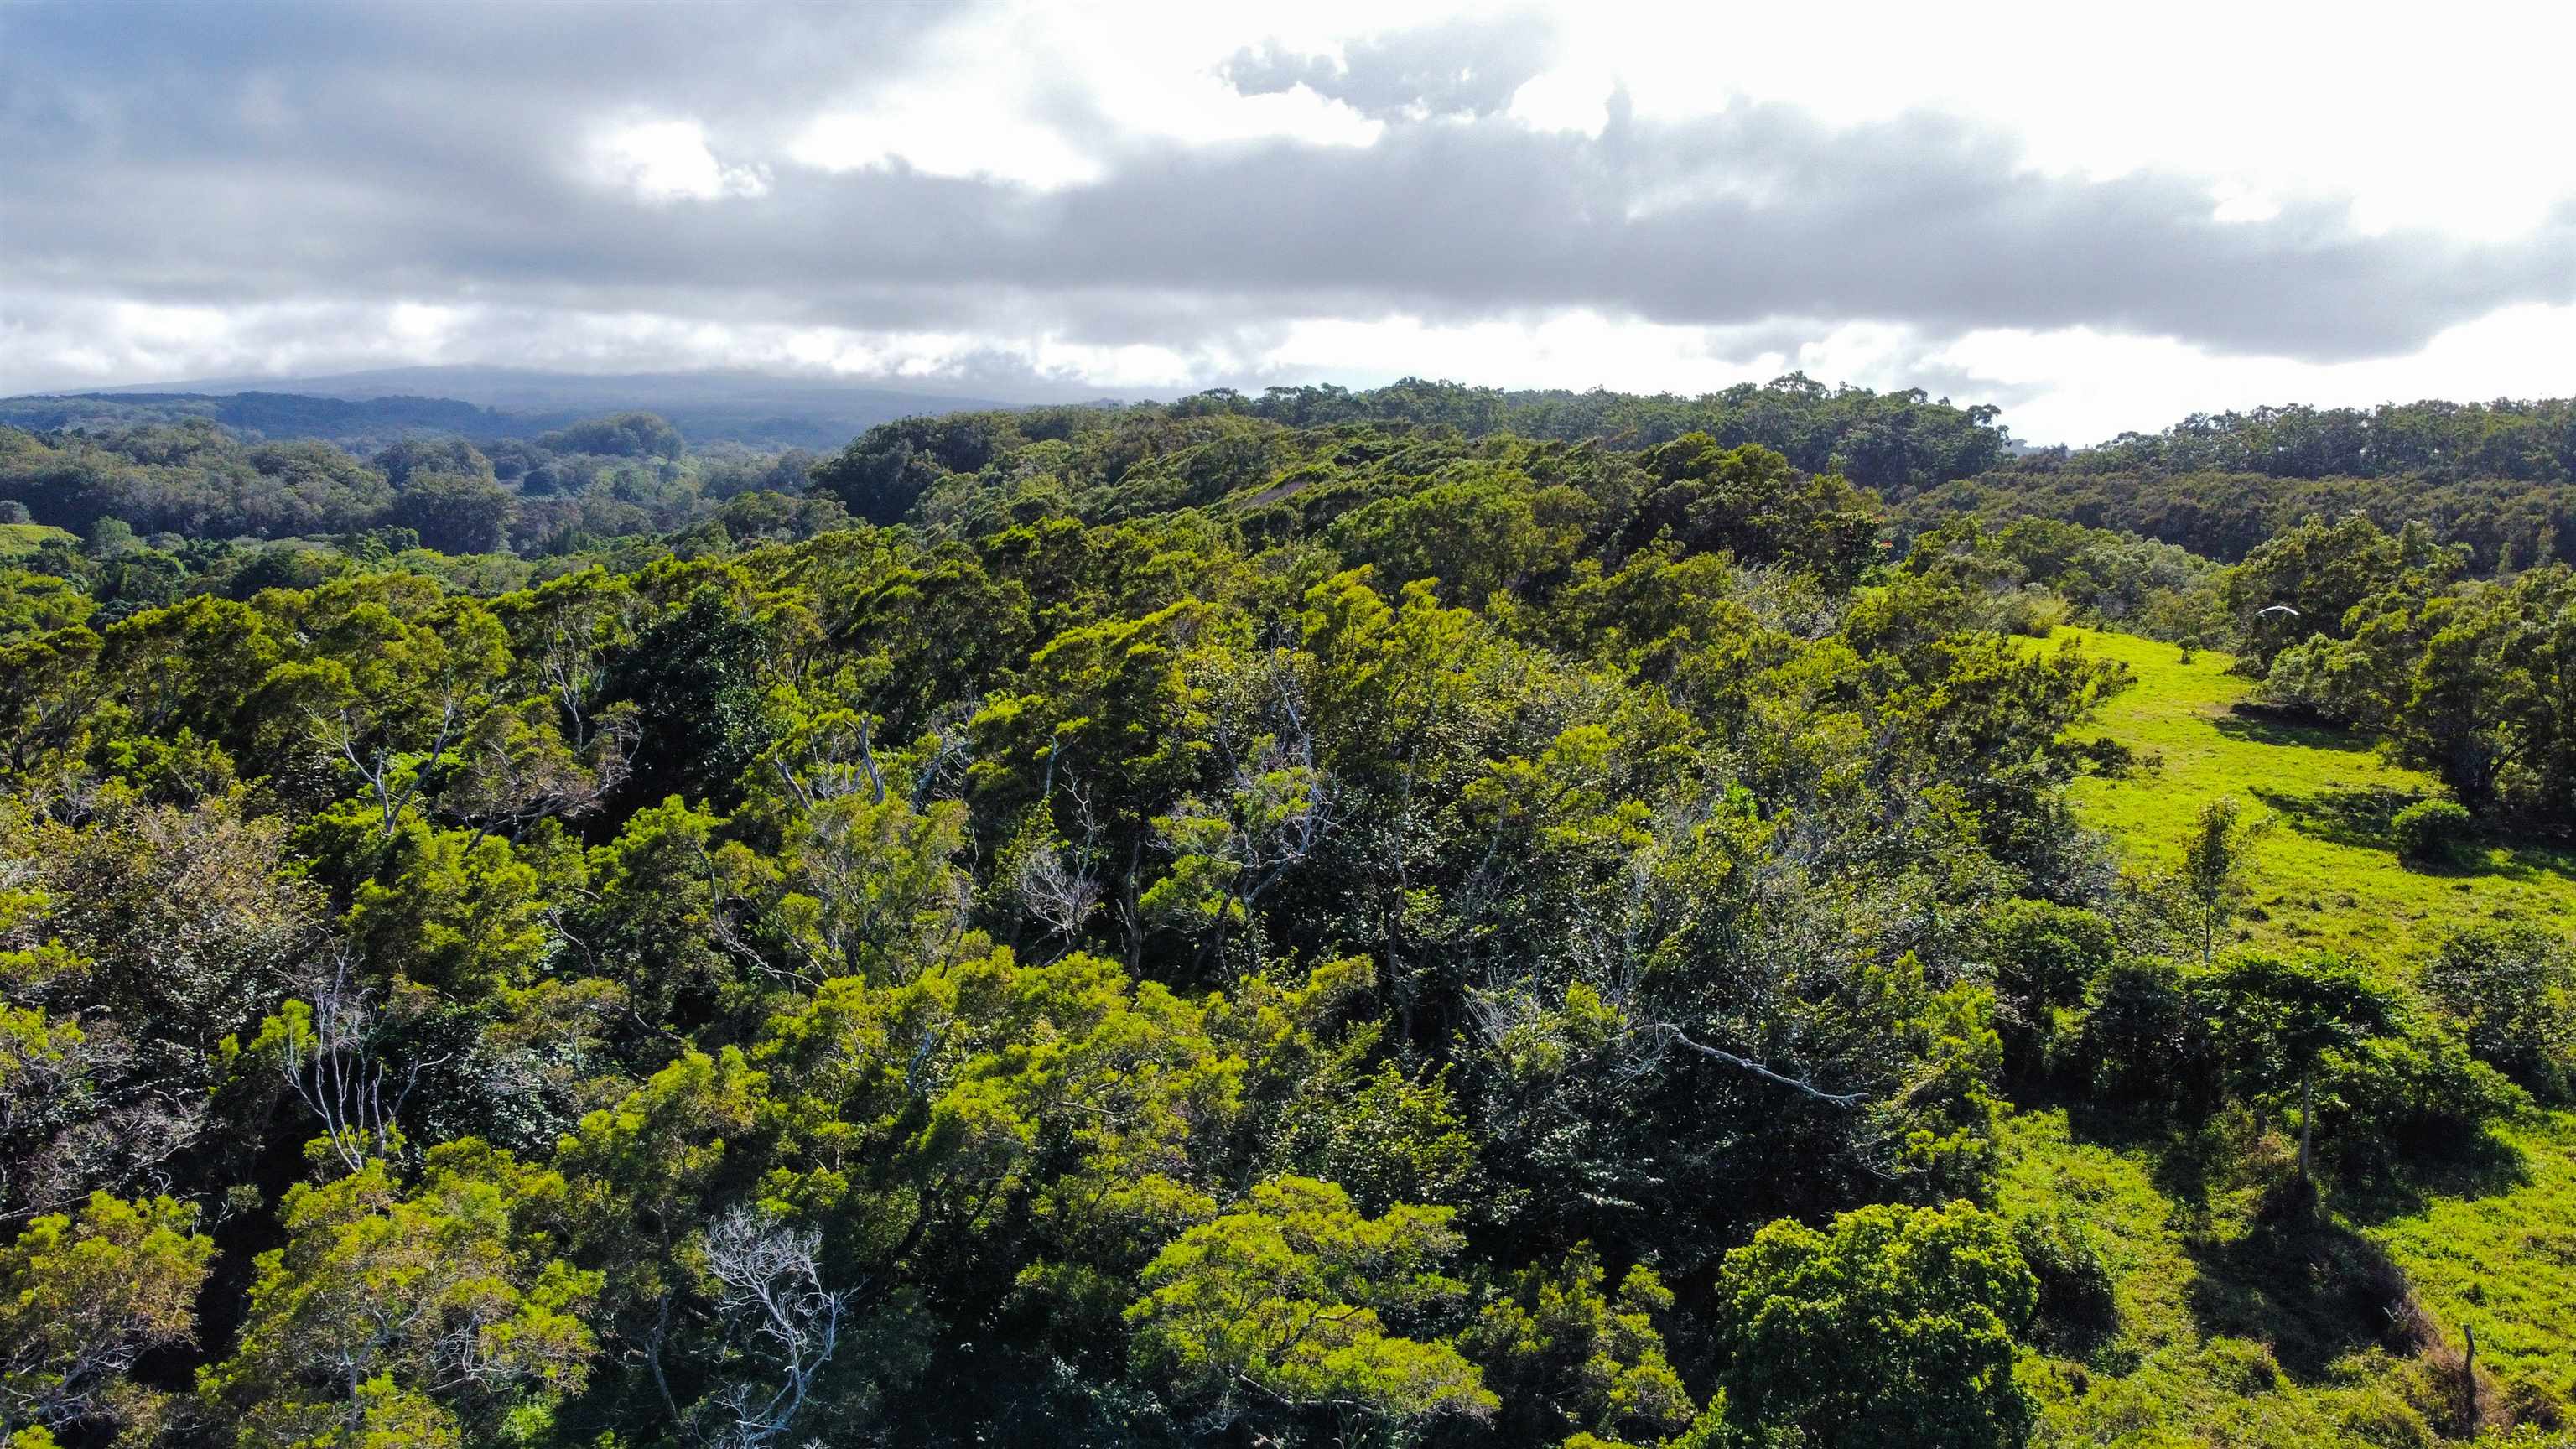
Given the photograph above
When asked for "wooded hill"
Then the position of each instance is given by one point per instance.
(1422, 917)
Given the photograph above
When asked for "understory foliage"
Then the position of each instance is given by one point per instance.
(1187, 925)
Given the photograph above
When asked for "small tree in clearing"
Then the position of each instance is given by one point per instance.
(2213, 885)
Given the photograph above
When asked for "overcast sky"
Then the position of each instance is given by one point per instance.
(2099, 223)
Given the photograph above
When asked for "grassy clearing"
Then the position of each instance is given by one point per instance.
(2233, 1329)
(2114, 1194)
(2503, 1262)
(2327, 874)
(2170, 1376)
(18, 540)
(2241, 1329)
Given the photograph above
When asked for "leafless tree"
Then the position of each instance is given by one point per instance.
(571, 660)
(336, 1071)
(1279, 803)
(838, 758)
(1055, 891)
(1676, 1036)
(510, 782)
(1612, 943)
(952, 750)
(778, 1313)
(1060, 884)
(336, 733)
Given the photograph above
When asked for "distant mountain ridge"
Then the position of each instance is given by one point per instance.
(273, 414)
(489, 402)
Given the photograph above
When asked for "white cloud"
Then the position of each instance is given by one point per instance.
(960, 132)
(2239, 200)
(2266, 112)
(2436, 129)
(1045, 96)
(1566, 98)
(668, 161)
(2422, 124)
(2092, 385)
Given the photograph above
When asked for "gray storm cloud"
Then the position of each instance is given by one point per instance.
(246, 155)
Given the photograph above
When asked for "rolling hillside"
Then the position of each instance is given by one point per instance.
(2326, 874)
(2232, 1326)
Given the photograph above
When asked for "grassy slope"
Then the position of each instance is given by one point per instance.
(17, 540)
(2201, 1278)
(2327, 875)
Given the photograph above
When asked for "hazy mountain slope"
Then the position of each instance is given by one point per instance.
(502, 402)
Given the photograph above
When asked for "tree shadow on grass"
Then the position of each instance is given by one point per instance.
(2292, 1274)
(2304, 1283)
(2353, 815)
(2523, 863)
(2254, 724)
(2176, 1160)
(2361, 816)
(2464, 1165)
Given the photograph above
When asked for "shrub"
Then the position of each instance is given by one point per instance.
(2044, 957)
(2143, 1041)
(2076, 1304)
(2431, 832)
(2413, 1090)
(2512, 992)
(2032, 612)
(1817, 1324)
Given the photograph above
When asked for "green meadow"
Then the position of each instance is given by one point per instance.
(2326, 874)
(2234, 1327)
(21, 540)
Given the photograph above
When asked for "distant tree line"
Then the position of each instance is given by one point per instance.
(2505, 523)
(1895, 443)
(2526, 442)
(271, 414)
(622, 476)
(2498, 477)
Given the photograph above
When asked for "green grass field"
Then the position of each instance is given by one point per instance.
(2326, 875)
(18, 540)
(2234, 1330)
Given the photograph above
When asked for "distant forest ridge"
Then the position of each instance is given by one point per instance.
(377, 420)
(2525, 440)
(2533, 440)
(2495, 476)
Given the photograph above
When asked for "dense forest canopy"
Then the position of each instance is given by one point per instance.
(1429, 916)
(2528, 442)
(2499, 477)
